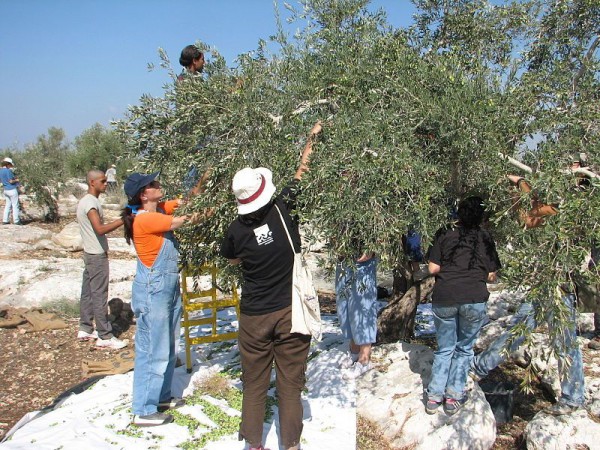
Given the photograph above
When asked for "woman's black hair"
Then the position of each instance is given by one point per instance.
(188, 54)
(128, 216)
(471, 211)
(255, 216)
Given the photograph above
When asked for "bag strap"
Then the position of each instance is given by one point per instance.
(286, 229)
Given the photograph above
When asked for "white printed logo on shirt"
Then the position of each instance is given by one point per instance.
(264, 235)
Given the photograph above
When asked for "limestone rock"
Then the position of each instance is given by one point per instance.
(35, 282)
(120, 245)
(571, 431)
(69, 238)
(16, 239)
(392, 397)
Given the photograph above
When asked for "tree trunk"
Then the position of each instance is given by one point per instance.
(396, 321)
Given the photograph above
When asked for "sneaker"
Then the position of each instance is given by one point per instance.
(152, 420)
(432, 406)
(85, 336)
(594, 344)
(357, 370)
(561, 408)
(452, 405)
(349, 360)
(172, 403)
(113, 343)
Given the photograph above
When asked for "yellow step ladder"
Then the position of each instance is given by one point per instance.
(209, 303)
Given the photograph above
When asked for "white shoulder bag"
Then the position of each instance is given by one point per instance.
(306, 313)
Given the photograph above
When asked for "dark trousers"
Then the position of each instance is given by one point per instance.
(263, 339)
(94, 296)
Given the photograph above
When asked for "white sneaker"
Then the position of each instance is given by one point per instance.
(357, 370)
(113, 343)
(349, 360)
(84, 335)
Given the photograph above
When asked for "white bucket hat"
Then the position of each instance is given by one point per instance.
(8, 160)
(253, 188)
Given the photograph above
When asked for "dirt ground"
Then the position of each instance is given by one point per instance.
(37, 367)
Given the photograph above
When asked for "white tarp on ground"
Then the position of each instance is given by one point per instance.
(99, 417)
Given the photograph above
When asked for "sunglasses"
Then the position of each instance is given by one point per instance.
(154, 185)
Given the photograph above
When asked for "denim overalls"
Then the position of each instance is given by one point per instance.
(156, 302)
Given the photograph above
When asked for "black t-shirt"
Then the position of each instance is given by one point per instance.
(267, 258)
(465, 256)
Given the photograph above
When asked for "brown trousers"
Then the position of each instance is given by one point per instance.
(263, 339)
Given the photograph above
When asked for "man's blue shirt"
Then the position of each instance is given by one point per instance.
(6, 175)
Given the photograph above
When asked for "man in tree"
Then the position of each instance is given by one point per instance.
(192, 60)
(571, 375)
(94, 288)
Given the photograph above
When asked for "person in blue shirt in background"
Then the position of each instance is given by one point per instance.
(11, 193)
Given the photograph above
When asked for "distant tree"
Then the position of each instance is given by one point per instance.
(42, 169)
(96, 148)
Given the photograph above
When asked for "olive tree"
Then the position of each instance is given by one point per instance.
(42, 169)
(96, 148)
(414, 120)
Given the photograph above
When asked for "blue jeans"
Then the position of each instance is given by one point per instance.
(11, 196)
(456, 328)
(156, 302)
(572, 382)
(356, 301)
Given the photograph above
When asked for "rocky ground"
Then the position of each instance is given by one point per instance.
(36, 367)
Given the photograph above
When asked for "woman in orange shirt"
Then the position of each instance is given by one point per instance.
(156, 296)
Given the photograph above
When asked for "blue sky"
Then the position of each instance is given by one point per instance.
(72, 63)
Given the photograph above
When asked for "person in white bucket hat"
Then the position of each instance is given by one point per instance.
(258, 240)
(11, 192)
(253, 189)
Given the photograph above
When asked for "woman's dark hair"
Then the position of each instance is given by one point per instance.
(128, 216)
(255, 216)
(188, 54)
(470, 212)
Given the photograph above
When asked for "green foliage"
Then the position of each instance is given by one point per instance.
(414, 120)
(44, 166)
(97, 148)
(216, 386)
(41, 169)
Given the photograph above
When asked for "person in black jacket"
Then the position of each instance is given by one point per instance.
(463, 260)
(258, 241)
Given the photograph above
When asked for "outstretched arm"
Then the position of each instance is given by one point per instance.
(316, 129)
(199, 188)
(534, 217)
(102, 228)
